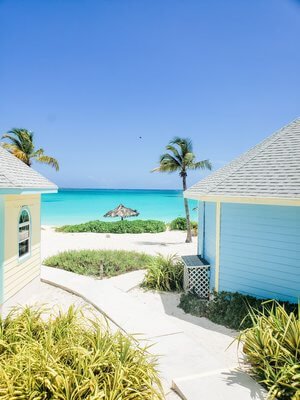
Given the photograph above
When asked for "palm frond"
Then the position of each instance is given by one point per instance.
(167, 163)
(22, 134)
(38, 153)
(48, 160)
(204, 164)
(17, 152)
(176, 153)
(188, 159)
(169, 158)
(8, 146)
(13, 140)
(22, 138)
(185, 144)
(180, 158)
(22, 146)
(165, 167)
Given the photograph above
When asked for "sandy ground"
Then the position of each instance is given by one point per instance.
(170, 242)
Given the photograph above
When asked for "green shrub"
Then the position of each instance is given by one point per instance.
(179, 224)
(164, 273)
(100, 263)
(232, 309)
(68, 357)
(136, 226)
(272, 347)
(191, 304)
(226, 308)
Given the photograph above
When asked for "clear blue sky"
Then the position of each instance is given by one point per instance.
(91, 76)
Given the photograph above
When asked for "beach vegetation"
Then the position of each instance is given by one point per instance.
(164, 274)
(272, 348)
(135, 226)
(67, 356)
(226, 308)
(21, 145)
(99, 263)
(180, 224)
(181, 158)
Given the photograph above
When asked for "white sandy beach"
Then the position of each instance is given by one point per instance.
(169, 242)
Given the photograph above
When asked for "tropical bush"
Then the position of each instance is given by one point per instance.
(136, 226)
(68, 357)
(164, 273)
(272, 347)
(226, 308)
(99, 263)
(179, 224)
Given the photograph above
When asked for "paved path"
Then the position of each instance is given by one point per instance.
(193, 357)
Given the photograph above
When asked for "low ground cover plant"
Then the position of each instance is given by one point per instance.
(272, 348)
(226, 308)
(179, 224)
(68, 357)
(99, 263)
(164, 273)
(136, 226)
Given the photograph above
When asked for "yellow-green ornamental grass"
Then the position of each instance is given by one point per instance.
(164, 273)
(67, 357)
(272, 347)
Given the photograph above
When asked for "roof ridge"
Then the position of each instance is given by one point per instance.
(268, 141)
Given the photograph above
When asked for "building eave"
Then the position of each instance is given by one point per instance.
(24, 191)
(243, 199)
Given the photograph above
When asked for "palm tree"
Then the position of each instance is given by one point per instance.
(21, 145)
(180, 158)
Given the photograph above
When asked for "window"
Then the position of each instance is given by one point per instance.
(24, 233)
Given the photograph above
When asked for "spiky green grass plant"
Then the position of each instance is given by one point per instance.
(164, 273)
(272, 348)
(68, 357)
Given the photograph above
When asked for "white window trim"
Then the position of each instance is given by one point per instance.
(23, 224)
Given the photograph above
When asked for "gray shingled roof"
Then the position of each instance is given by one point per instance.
(14, 174)
(269, 170)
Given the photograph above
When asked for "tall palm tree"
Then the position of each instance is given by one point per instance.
(180, 158)
(21, 145)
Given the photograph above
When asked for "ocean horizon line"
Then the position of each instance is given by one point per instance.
(90, 188)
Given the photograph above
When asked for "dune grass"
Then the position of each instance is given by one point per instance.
(99, 263)
(69, 357)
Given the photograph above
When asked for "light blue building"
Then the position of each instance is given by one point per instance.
(249, 219)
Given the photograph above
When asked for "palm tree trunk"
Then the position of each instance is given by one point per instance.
(187, 213)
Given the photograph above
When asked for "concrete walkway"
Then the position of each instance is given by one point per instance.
(193, 358)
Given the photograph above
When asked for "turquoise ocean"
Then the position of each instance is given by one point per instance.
(72, 206)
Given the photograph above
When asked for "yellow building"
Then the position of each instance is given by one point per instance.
(20, 223)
